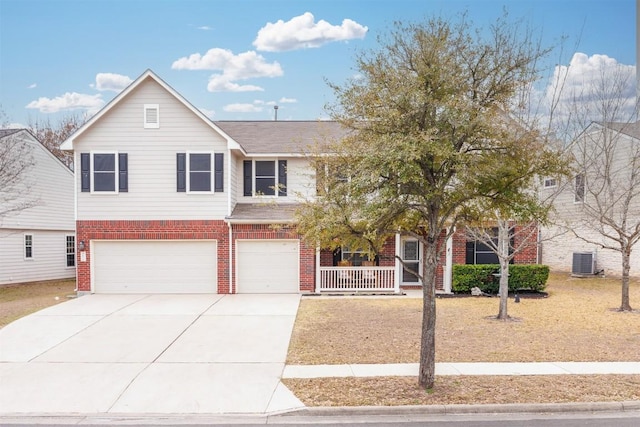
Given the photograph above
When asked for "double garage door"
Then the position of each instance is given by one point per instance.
(191, 266)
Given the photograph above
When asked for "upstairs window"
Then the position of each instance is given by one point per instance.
(151, 116)
(265, 177)
(579, 189)
(550, 182)
(200, 172)
(104, 172)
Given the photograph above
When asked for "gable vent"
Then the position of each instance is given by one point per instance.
(151, 116)
(584, 264)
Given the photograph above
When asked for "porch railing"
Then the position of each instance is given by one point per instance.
(357, 279)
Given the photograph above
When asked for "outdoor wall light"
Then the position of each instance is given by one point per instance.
(81, 245)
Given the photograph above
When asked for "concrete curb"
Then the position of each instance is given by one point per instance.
(308, 415)
(511, 408)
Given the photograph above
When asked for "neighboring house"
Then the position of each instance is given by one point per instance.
(169, 201)
(37, 241)
(561, 249)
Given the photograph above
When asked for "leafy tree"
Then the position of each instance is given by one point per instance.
(428, 138)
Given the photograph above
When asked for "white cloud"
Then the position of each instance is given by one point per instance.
(32, 86)
(303, 32)
(284, 100)
(242, 108)
(68, 101)
(204, 28)
(579, 87)
(243, 66)
(112, 82)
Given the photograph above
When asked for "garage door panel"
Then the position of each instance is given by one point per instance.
(268, 266)
(159, 266)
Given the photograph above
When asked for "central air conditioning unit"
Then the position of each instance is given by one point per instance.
(584, 264)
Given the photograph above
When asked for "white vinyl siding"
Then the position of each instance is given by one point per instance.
(154, 266)
(48, 262)
(300, 181)
(268, 266)
(50, 188)
(151, 160)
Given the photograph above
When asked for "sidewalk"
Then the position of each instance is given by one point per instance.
(511, 368)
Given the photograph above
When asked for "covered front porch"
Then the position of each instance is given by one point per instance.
(350, 271)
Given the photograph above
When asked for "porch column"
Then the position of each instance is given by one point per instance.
(398, 265)
(318, 275)
(448, 265)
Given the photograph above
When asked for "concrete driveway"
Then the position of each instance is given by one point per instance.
(160, 354)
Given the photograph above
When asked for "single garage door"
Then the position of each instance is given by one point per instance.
(154, 266)
(268, 266)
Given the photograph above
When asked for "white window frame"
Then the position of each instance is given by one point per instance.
(146, 123)
(346, 250)
(254, 172)
(577, 200)
(25, 246)
(67, 247)
(115, 171)
(550, 182)
(211, 172)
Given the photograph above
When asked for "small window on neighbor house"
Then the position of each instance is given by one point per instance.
(579, 190)
(200, 172)
(550, 182)
(265, 177)
(71, 251)
(151, 116)
(28, 246)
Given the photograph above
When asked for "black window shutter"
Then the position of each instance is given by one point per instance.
(181, 172)
(123, 173)
(282, 177)
(85, 172)
(247, 173)
(218, 167)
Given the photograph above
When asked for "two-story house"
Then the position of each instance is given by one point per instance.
(169, 201)
(604, 194)
(37, 230)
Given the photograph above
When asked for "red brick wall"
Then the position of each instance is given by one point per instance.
(153, 230)
(268, 231)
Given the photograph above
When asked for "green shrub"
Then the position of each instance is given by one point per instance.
(521, 277)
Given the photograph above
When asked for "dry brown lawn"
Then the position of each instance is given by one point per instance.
(21, 299)
(577, 322)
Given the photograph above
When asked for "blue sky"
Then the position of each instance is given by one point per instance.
(235, 59)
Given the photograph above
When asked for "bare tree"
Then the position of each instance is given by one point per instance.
(51, 135)
(606, 186)
(16, 161)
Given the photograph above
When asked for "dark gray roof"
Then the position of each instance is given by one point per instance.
(263, 212)
(296, 137)
(631, 129)
(7, 132)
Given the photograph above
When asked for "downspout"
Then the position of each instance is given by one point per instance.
(75, 213)
(318, 276)
(398, 265)
(231, 290)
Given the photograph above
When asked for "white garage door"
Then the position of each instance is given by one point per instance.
(268, 266)
(154, 266)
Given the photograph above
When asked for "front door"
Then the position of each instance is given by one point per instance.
(411, 257)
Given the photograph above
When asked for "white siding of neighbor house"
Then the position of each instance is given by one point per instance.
(151, 160)
(50, 187)
(235, 172)
(558, 248)
(300, 181)
(49, 260)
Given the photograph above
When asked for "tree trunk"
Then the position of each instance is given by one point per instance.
(503, 258)
(426, 374)
(626, 255)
